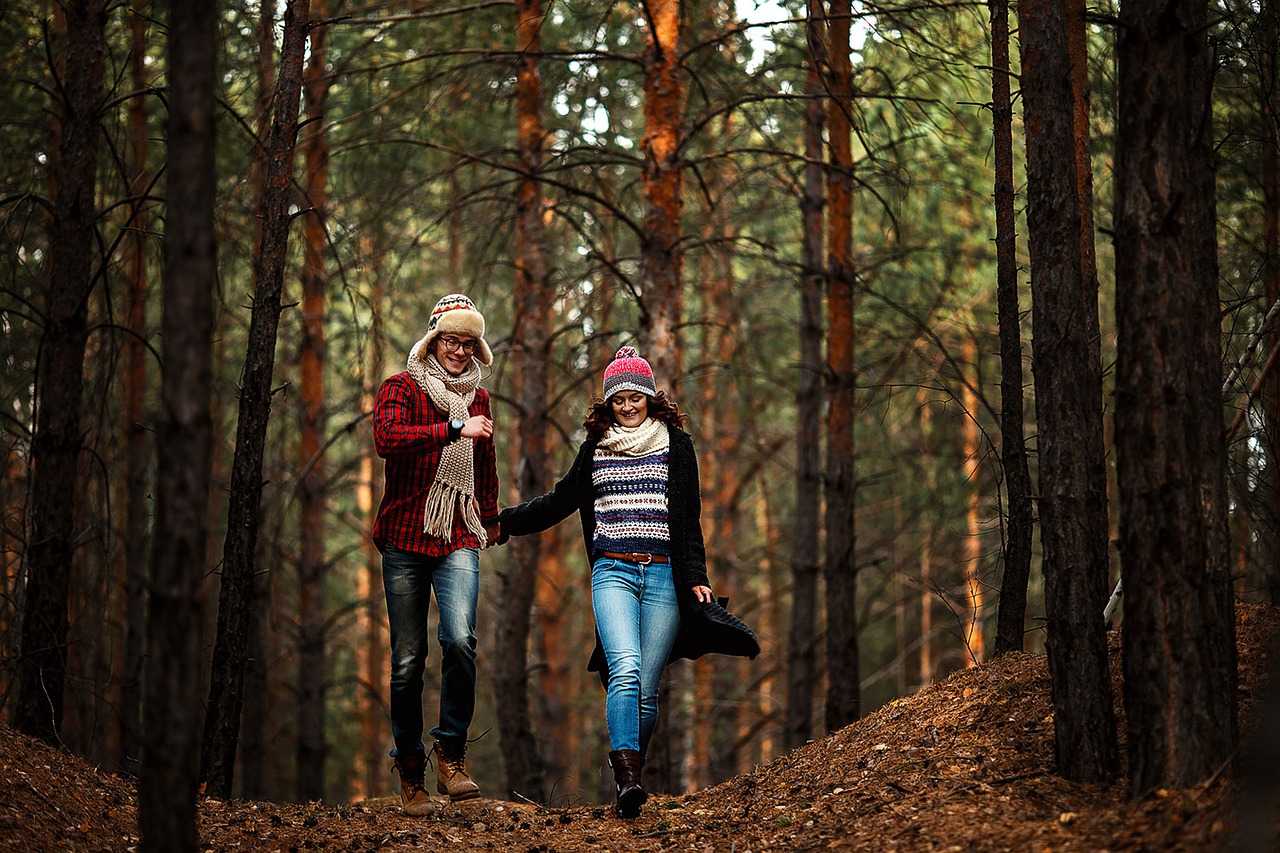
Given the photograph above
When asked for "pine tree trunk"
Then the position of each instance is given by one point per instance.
(974, 638)
(184, 438)
(253, 734)
(1068, 380)
(134, 430)
(374, 653)
(55, 445)
(843, 689)
(661, 309)
(222, 717)
(311, 365)
(1169, 429)
(801, 639)
(1012, 614)
(661, 259)
(1270, 396)
(521, 760)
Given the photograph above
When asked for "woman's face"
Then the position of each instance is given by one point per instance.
(630, 408)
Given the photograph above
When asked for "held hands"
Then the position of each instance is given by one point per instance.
(703, 594)
(493, 534)
(477, 426)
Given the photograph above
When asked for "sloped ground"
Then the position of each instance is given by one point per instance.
(965, 765)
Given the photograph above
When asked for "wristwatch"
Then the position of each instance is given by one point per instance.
(455, 429)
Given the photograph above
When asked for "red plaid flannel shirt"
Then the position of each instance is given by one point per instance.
(409, 432)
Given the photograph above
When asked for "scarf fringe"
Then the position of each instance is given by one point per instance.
(438, 516)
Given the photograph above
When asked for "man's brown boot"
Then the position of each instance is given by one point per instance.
(413, 789)
(451, 774)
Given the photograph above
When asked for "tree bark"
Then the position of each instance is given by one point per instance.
(56, 442)
(1181, 702)
(311, 362)
(1270, 396)
(222, 719)
(135, 432)
(974, 637)
(661, 306)
(661, 254)
(374, 699)
(1012, 613)
(184, 438)
(801, 639)
(521, 760)
(843, 690)
(1068, 380)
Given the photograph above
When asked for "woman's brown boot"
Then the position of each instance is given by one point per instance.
(627, 764)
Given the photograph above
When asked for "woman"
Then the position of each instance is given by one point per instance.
(635, 485)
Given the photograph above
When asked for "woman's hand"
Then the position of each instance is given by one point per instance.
(703, 594)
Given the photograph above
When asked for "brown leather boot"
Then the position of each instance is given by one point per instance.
(451, 774)
(627, 764)
(413, 788)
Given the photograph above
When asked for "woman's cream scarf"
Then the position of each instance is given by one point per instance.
(650, 437)
(455, 482)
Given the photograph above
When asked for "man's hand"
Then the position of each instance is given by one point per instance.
(477, 427)
(493, 533)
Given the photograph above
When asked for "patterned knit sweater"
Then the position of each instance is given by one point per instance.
(630, 502)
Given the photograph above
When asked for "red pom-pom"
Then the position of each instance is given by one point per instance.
(626, 352)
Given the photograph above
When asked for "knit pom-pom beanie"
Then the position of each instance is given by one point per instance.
(629, 372)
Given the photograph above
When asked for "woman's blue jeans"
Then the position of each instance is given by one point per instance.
(637, 617)
(408, 579)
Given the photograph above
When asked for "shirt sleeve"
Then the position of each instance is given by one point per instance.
(486, 468)
(394, 430)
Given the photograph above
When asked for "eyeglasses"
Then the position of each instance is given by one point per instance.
(453, 345)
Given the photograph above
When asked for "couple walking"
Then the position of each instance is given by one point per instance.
(634, 484)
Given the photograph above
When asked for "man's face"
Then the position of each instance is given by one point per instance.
(454, 351)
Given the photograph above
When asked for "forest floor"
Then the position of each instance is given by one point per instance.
(964, 765)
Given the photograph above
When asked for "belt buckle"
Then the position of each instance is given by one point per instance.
(647, 559)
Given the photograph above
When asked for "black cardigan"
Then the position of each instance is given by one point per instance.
(575, 491)
(704, 628)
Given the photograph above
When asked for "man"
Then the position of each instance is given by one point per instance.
(432, 424)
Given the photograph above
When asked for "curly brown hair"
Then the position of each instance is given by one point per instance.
(661, 407)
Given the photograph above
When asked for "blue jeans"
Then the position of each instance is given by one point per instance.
(637, 617)
(408, 579)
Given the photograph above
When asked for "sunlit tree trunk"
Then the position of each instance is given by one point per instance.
(171, 717)
(1012, 613)
(802, 639)
(974, 639)
(222, 717)
(371, 636)
(661, 258)
(1170, 448)
(843, 690)
(662, 307)
(55, 444)
(1068, 380)
(522, 762)
(311, 363)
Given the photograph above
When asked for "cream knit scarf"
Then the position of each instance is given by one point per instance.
(650, 437)
(455, 482)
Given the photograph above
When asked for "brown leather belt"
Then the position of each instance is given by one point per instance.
(638, 558)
